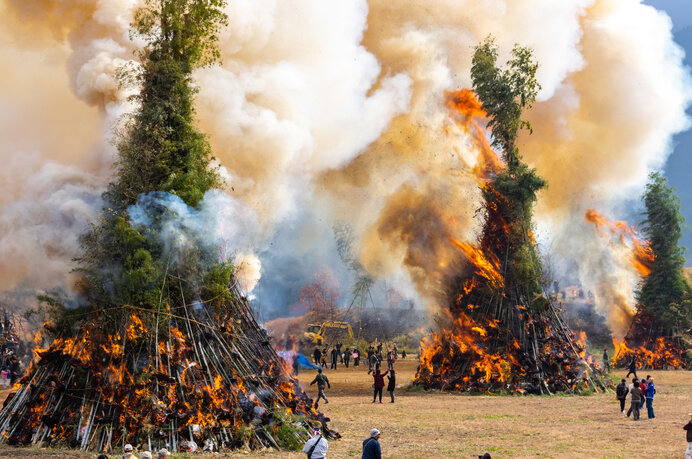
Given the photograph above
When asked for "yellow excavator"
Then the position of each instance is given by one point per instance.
(332, 331)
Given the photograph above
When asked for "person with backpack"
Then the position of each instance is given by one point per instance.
(650, 391)
(621, 392)
(321, 379)
(316, 447)
(371, 446)
(391, 384)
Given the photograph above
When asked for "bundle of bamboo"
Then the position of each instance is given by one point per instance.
(169, 376)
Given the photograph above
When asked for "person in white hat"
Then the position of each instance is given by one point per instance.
(163, 453)
(316, 447)
(371, 446)
(145, 455)
(127, 449)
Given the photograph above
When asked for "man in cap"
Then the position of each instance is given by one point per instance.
(163, 453)
(145, 455)
(127, 449)
(371, 446)
(316, 447)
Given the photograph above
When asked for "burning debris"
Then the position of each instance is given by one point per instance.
(648, 347)
(163, 349)
(166, 377)
(500, 333)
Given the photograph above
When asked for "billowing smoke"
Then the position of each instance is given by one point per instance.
(327, 110)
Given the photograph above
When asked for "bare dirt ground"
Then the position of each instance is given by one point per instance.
(436, 425)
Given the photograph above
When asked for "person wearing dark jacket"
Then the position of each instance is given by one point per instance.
(688, 428)
(391, 384)
(347, 357)
(321, 380)
(371, 446)
(632, 367)
(379, 383)
(621, 392)
(606, 362)
(650, 391)
(335, 356)
(317, 356)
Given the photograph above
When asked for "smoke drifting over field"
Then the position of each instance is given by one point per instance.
(338, 107)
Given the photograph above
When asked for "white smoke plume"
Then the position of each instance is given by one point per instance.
(327, 110)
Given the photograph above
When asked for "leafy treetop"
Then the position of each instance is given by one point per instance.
(505, 93)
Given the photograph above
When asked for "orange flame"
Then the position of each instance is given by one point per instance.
(488, 268)
(642, 256)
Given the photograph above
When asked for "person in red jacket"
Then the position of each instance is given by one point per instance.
(379, 383)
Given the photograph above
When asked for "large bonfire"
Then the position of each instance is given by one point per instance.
(500, 332)
(164, 349)
(652, 345)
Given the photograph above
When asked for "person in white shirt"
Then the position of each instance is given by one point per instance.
(320, 446)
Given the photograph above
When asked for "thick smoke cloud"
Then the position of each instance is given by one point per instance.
(328, 110)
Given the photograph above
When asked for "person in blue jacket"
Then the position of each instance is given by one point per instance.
(650, 391)
(371, 446)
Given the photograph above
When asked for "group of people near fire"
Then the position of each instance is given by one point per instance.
(374, 359)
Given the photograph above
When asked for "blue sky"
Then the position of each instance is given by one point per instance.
(679, 166)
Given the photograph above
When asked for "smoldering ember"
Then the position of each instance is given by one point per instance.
(225, 225)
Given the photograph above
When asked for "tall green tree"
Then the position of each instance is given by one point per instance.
(505, 93)
(160, 151)
(665, 293)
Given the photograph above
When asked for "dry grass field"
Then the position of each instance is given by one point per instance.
(435, 425)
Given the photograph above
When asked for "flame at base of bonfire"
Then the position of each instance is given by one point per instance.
(189, 380)
(659, 353)
(486, 356)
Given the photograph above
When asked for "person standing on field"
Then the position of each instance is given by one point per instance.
(371, 446)
(621, 392)
(650, 391)
(347, 357)
(688, 428)
(335, 356)
(606, 362)
(391, 384)
(379, 383)
(321, 380)
(316, 447)
(317, 355)
(635, 394)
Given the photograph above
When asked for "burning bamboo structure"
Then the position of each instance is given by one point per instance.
(168, 376)
(649, 345)
(500, 333)
(164, 349)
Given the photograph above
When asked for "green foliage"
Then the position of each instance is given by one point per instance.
(505, 93)
(666, 292)
(215, 287)
(160, 149)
